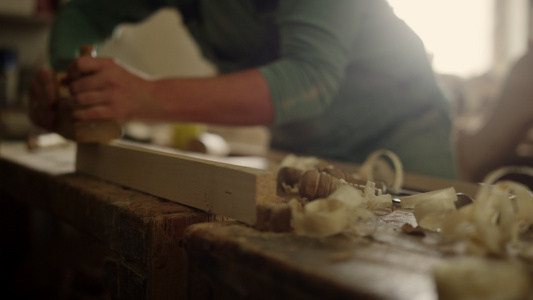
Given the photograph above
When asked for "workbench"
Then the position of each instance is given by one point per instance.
(141, 232)
(232, 261)
(158, 249)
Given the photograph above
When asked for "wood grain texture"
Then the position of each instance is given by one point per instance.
(249, 264)
(219, 188)
(142, 230)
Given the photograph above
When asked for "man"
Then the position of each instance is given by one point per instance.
(336, 79)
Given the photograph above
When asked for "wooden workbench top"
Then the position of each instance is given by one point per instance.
(143, 231)
(229, 260)
(233, 261)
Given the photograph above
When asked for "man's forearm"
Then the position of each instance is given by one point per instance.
(241, 98)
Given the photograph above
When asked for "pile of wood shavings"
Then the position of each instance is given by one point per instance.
(491, 225)
(347, 208)
(493, 260)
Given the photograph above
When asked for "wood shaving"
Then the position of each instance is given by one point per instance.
(409, 229)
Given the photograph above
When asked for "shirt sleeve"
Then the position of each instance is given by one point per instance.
(82, 22)
(316, 37)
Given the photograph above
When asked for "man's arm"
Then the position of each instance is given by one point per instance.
(241, 98)
(112, 92)
(315, 50)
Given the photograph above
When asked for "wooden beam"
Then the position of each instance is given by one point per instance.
(215, 187)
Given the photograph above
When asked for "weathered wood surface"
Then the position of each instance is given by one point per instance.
(227, 262)
(248, 264)
(144, 231)
(219, 188)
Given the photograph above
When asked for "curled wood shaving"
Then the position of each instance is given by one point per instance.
(289, 189)
(502, 210)
(409, 229)
(489, 228)
(375, 199)
(346, 209)
(431, 208)
(372, 163)
(446, 194)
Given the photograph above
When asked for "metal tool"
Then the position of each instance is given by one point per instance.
(462, 199)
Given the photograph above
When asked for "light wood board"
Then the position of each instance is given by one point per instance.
(219, 188)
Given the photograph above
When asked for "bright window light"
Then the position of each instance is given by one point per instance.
(458, 34)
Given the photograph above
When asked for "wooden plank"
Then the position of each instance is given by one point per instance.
(219, 188)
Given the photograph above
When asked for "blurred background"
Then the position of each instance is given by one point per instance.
(471, 43)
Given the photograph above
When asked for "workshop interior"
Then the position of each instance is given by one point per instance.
(176, 210)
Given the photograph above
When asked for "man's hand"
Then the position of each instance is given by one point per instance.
(43, 99)
(102, 89)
